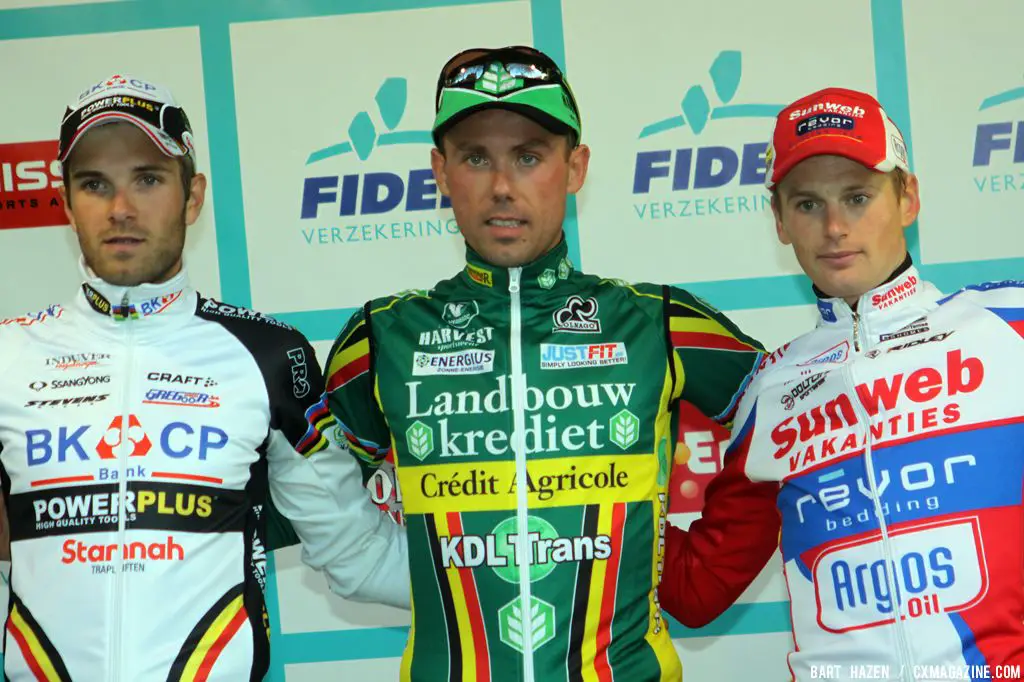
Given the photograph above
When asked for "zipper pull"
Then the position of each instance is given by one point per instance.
(513, 280)
(856, 337)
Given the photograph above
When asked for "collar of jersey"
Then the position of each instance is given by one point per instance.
(906, 291)
(100, 299)
(547, 272)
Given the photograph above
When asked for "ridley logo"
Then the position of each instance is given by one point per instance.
(577, 316)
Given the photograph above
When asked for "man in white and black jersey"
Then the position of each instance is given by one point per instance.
(145, 432)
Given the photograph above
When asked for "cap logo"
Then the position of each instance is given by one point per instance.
(823, 122)
(497, 80)
(828, 108)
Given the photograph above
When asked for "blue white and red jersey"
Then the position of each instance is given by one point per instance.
(896, 432)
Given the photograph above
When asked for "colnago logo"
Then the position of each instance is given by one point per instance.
(936, 569)
(85, 510)
(78, 552)
(564, 356)
(499, 549)
(448, 339)
(158, 396)
(446, 364)
(903, 491)
(547, 434)
(363, 200)
(899, 291)
(682, 178)
(77, 361)
(30, 176)
(827, 430)
(999, 144)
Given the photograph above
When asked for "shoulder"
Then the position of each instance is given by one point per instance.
(994, 294)
(272, 343)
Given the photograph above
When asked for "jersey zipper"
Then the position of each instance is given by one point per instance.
(523, 554)
(864, 418)
(124, 450)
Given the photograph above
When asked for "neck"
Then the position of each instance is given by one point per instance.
(852, 300)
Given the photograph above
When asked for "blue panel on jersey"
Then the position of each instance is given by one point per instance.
(917, 480)
(972, 655)
(1009, 314)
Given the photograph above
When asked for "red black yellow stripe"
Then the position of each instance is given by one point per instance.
(351, 359)
(590, 632)
(444, 589)
(208, 638)
(476, 664)
(690, 328)
(581, 597)
(39, 653)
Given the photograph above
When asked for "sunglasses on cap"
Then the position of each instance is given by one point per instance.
(521, 62)
(163, 118)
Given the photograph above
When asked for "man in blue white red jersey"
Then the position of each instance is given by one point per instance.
(146, 430)
(895, 428)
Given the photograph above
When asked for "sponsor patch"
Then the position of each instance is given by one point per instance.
(571, 356)
(461, 362)
(159, 396)
(480, 276)
(577, 316)
(459, 314)
(918, 326)
(837, 353)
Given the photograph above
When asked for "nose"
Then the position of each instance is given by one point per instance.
(121, 207)
(836, 226)
(501, 183)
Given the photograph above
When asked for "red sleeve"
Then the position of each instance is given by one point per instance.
(709, 566)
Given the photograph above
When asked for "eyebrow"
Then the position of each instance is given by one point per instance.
(531, 143)
(92, 173)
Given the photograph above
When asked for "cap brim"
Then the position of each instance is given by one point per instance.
(831, 145)
(541, 118)
(158, 137)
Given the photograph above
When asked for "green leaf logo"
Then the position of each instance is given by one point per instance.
(420, 439)
(624, 428)
(512, 623)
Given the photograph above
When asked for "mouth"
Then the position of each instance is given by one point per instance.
(506, 222)
(839, 258)
(123, 241)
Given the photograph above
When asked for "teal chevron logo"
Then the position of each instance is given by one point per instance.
(697, 109)
(364, 135)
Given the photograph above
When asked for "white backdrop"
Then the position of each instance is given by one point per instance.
(312, 119)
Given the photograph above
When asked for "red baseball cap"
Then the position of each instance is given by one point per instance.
(834, 121)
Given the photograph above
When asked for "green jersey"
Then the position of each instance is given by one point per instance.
(529, 415)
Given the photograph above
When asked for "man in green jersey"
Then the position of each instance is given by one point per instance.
(529, 411)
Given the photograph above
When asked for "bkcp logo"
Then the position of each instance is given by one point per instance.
(29, 177)
(999, 144)
(705, 177)
(379, 205)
